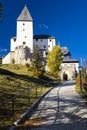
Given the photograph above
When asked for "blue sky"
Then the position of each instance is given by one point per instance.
(64, 19)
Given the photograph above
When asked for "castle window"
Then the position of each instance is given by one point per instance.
(36, 39)
(24, 43)
(50, 40)
(23, 23)
(25, 36)
(46, 53)
(41, 40)
(23, 29)
(14, 39)
(48, 45)
(44, 46)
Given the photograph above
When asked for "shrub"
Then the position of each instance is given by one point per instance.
(37, 73)
(13, 61)
(78, 83)
(27, 65)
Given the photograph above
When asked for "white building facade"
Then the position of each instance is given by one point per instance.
(44, 42)
(69, 67)
(24, 31)
(23, 44)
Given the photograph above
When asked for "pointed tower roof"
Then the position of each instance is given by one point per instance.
(25, 15)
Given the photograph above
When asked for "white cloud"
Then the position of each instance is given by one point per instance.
(3, 50)
(43, 26)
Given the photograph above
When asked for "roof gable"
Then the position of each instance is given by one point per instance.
(25, 15)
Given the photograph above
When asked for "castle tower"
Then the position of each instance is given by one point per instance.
(25, 29)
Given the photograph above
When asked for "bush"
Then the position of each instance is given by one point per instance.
(37, 73)
(78, 83)
(27, 65)
(85, 86)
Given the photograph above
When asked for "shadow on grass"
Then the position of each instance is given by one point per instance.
(6, 92)
(4, 127)
(41, 80)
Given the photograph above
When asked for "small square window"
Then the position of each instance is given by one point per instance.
(24, 43)
(44, 46)
(14, 39)
(36, 39)
(46, 53)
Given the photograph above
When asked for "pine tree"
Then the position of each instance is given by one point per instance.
(36, 61)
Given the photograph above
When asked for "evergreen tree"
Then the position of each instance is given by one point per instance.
(54, 60)
(13, 61)
(36, 61)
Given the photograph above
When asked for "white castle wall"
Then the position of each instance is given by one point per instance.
(8, 58)
(46, 44)
(22, 54)
(13, 44)
(25, 34)
(51, 43)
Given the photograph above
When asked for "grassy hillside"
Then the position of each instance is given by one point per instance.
(17, 81)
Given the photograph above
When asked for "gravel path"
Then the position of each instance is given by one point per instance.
(61, 109)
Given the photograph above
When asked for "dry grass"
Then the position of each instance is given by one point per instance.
(18, 80)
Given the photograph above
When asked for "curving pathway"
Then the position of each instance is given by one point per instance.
(61, 109)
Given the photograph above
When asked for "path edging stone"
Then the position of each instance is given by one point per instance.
(29, 111)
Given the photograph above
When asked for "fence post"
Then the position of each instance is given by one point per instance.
(36, 91)
(28, 95)
(45, 87)
(13, 105)
(41, 89)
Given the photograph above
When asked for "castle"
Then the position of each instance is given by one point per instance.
(22, 46)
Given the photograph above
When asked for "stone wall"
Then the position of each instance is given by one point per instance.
(68, 70)
(22, 54)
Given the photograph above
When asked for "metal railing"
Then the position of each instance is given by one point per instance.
(17, 104)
